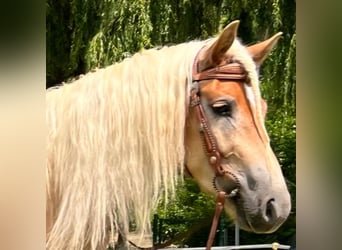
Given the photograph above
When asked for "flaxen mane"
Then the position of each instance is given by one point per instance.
(116, 143)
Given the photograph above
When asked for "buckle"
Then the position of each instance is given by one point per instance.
(195, 102)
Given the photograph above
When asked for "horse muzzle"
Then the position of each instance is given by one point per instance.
(256, 207)
(261, 215)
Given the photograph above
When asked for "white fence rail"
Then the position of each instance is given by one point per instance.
(259, 246)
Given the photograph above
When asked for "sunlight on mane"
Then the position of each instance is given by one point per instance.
(117, 137)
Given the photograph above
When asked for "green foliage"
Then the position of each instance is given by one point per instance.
(82, 35)
(189, 208)
(179, 21)
(282, 130)
(124, 29)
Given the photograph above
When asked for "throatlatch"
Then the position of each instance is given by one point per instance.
(230, 71)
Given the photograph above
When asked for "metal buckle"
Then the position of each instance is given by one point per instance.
(195, 102)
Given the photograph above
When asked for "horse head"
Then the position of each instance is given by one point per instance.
(228, 96)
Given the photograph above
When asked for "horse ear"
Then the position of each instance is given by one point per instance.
(218, 49)
(260, 51)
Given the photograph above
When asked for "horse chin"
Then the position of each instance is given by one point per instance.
(231, 208)
(246, 224)
(238, 216)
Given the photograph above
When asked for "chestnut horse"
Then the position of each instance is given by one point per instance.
(120, 138)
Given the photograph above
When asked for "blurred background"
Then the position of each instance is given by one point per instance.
(24, 75)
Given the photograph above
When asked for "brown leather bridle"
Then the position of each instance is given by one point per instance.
(229, 71)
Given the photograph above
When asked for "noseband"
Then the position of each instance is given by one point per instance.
(229, 71)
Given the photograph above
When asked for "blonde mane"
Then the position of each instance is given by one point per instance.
(116, 143)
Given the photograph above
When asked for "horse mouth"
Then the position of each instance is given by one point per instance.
(236, 210)
(250, 218)
(245, 207)
(253, 209)
(231, 186)
(228, 183)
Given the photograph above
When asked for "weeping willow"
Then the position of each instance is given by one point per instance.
(83, 35)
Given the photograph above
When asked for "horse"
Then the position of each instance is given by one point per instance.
(122, 137)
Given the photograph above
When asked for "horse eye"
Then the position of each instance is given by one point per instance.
(222, 108)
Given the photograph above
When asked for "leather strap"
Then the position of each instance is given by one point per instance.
(208, 140)
(229, 71)
(221, 196)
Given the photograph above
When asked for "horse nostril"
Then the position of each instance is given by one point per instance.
(270, 210)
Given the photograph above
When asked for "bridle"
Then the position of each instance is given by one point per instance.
(228, 71)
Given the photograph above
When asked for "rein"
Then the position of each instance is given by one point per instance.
(229, 71)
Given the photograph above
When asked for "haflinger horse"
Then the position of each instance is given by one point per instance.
(120, 138)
